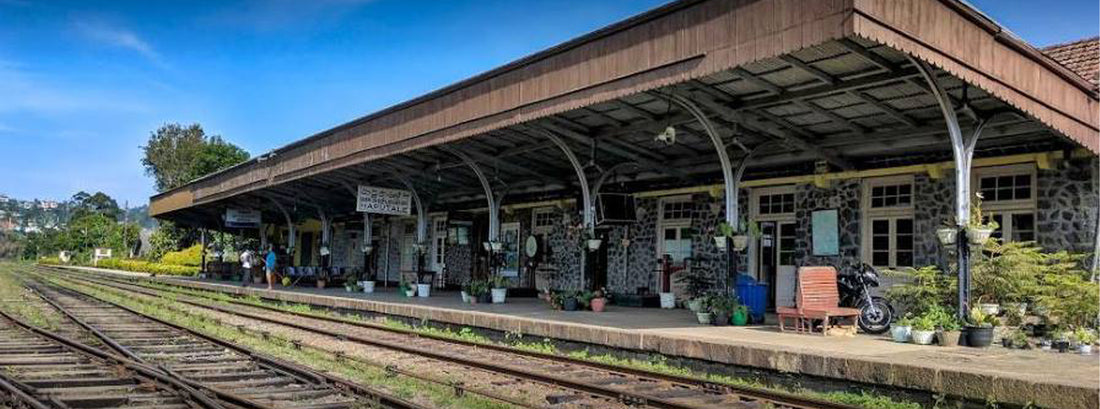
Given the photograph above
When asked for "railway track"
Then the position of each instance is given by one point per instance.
(41, 369)
(235, 376)
(627, 385)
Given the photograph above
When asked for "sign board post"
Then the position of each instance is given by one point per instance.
(381, 200)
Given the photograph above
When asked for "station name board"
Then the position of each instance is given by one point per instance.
(380, 200)
(242, 218)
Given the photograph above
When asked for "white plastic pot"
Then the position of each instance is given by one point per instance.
(594, 244)
(947, 235)
(368, 287)
(424, 290)
(410, 292)
(499, 294)
(695, 304)
(901, 333)
(720, 242)
(465, 297)
(740, 242)
(704, 317)
(923, 337)
(668, 300)
(1084, 349)
(978, 235)
(990, 308)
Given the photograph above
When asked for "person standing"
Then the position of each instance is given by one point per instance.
(269, 266)
(247, 261)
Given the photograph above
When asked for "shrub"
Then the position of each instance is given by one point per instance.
(142, 266)
(191, 256)
(924, 289)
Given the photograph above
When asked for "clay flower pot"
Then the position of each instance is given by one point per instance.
(598, 304)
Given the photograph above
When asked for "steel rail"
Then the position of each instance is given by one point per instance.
(296, 370)
(13, 388)
(113, 344)
(138, 367)
(785, 399)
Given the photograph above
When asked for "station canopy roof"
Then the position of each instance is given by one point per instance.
(823, 83)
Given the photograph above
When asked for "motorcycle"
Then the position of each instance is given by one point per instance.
(875, 313)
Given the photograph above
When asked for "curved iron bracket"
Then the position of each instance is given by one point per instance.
(289, 223)
(723, 156)
(494, 202)
(586, 195)
(609, 172)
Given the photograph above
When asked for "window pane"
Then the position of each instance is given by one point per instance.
(904, 242)
(880, 258)
(904, 226)
(670, 234)
(880, 242)
(904, 259)
(905, 189)
(1023, 192)
(880, 227)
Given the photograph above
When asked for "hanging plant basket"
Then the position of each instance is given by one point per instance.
(979, 235)
(720, 242)
(740, 242)
(947, 235)
(594, 244)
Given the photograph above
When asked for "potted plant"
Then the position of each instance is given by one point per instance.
(1059, 340)
(1084, 338)
(979, 333)
(668, 300)
(947, 234)
(696, 284)
(598, 301)
(368, 284)
(322, 278)
(465, 292)
(924, 328)
(499, 290)
(703, 313)
(949, 331)
(902, 330)
(423, 290)
(351, 286)
(285, 281)
(741, 315)
(1016, 338)
(722, 307)
(406, 289)
(568, 300)
(722, 235)
(979, 230)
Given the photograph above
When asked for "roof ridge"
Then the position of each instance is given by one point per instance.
(1069, 43)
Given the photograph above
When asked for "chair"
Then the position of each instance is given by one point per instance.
(818, 299)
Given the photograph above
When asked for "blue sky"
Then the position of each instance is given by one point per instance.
(82, 83)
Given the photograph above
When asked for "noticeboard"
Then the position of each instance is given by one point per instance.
(242, 218)
(826, 233)
(380, 200)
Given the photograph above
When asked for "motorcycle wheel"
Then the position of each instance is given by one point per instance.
(875, 320)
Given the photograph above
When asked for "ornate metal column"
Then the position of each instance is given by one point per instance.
(289, 224)
(963, 150)
(589, 219)
(730, 181)
(494, 202)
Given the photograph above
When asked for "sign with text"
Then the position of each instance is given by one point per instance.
(242, 218)
(381, 200)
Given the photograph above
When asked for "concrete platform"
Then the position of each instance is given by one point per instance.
(1046, 379)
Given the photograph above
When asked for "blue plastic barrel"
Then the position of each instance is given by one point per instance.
(753, 295)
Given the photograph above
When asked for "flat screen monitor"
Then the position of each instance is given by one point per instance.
(615, 208)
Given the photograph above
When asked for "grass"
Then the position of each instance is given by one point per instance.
(658, 363)
(19, 301)
(403, 387)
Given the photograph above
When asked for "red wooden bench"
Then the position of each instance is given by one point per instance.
(818, 300)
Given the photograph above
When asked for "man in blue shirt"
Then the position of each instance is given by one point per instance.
(269, 266)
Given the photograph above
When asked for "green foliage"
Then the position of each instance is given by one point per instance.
(725, 230)
(981, 319)
(191, 256)
(176, 155)
(924, 322)
(923, 289)
(1084, 336)
(1011, 271)
(723, 304)
(85, 204)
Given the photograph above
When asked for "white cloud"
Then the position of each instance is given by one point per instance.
(25, 91)
(117, 37)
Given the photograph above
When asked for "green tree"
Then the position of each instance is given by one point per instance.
(85, 204)
(176, 155)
